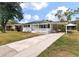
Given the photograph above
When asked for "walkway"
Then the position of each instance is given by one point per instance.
(29, 47)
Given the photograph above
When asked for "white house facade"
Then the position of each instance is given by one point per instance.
(44, 26)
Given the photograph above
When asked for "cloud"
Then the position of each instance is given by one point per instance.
(36, 17)
(30, 17)
(63, 8)
(51, 14)
(27, 16)
(23, 21)
(50, 17)
(34, 5)
(39, 6)
(24, 5)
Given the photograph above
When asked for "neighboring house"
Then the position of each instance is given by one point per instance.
(14, 27)
(44, 26)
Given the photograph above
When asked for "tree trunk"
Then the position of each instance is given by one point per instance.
(3, 26)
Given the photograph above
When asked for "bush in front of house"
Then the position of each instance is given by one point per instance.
(61, 27)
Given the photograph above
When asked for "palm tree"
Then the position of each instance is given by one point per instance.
(9, 10)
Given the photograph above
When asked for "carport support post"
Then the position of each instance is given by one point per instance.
(66, 29)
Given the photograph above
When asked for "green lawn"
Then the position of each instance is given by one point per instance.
(67, 45)
(9, 37)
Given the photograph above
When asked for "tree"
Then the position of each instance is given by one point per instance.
(77, 23)
(60, 15)
(12, 22)
(68, 14)
(9, 11)
(76, 11)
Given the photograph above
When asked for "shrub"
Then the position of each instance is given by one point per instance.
(61, 27)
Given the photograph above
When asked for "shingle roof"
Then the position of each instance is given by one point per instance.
(43, 21)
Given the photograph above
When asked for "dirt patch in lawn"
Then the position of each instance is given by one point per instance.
(61, 54)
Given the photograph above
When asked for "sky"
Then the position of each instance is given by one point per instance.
(36, 11)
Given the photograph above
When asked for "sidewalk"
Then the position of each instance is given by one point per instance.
(29, 47)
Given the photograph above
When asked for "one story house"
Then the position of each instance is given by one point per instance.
(44, 26)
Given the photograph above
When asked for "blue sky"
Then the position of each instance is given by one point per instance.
(35, 11)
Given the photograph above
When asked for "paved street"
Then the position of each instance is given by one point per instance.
(30, 47)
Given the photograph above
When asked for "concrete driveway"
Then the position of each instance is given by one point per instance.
(30, 47)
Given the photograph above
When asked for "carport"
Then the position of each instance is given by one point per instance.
(70, 27)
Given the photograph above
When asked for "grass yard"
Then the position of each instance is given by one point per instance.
(66, 46)
(9, 37)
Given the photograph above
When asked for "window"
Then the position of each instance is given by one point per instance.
(48, 26)
(44, 26)
(26, 25)
(40, 26)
